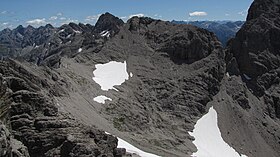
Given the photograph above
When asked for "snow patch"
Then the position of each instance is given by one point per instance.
(227, 74)
(131, 149)
(247, 77)
(130, 74)
(101, 99)
(208, 139)
(105, 34)
(68, 36)
(80, 50)
(61, 31)
(110, 74)
(78, 32)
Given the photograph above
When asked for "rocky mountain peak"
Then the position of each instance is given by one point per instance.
(256, 46)
(49, 26)
(260, 7)
(108, 22)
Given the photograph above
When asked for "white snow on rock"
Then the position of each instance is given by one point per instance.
(208, 139)
(80, 50)
(131, 149)
(227, 74)
(101, 99)
(131, 75)
(61, 31)
(78, 32)
(247, 77)
(105, 34)
(110, 74)
(68, 36)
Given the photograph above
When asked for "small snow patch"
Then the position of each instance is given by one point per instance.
(227, 74)
(80, 50)
(208, 138)
(247, 77)
(110, 74)
(131, 75)
(78, 32)
(68, 36)
(101, 99)
(61, 30)
(105, 34)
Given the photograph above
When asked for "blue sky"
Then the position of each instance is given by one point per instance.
(57, 12)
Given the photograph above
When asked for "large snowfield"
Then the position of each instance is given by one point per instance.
(208, 139)
(110, 74)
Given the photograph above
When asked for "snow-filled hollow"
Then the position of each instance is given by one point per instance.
(110, 74)
(208, 138)
(101, 99)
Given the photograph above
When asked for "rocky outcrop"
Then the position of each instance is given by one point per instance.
(36, 122)
(224, 30)
(185, 44)
(256, 46)
(256, 50)
(254, 56)
(10, 147)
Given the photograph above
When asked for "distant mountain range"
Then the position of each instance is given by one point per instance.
(224, 30)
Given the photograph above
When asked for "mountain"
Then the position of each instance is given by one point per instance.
(224, 30)
(58, 99)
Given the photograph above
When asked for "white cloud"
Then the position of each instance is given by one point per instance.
(198, 13)
(62, 18)
(137, 15)
(37, 21)
(227, 14)
(92, 18)
(59, 14)
(69, 21)
(53, 18)
(4, 12)
(5, 23)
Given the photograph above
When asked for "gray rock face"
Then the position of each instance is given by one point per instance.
(10, 147)
(224, 30)
(256, 47)
(184, 44)
(4, 141)
(36, 122)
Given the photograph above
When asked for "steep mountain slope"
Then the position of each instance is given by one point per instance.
(224, 30)
(254, 56)
(176, 73)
